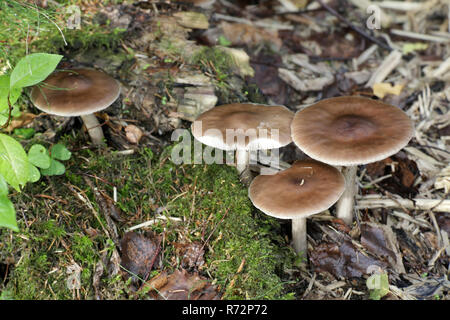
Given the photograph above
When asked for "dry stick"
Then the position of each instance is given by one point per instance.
(353, 27)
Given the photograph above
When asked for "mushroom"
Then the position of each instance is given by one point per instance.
(305, 189)
(244, 127)
(350, 131)
(77, 92)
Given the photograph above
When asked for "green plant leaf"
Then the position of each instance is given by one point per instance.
(224, 41)
(3, 186)
(35, 175)
(14, 94)
(33, 69)
(14, 165)
(4, 116)
(56, 168)
(38, 156)
(378, 284)
(60, 152)
(7, 214)
(24, 133)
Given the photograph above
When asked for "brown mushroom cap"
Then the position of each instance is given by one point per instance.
(307, 188)
(245, 124)
(346, 131)
(75, 92)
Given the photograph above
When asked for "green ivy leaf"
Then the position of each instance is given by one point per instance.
(7, 214)
(14, 165)
(35, 175)
(56, 168)
(38, 156)
(33, 69)
(14, 94)
(60, 152)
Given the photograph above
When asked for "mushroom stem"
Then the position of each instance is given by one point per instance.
(242, 159)
(344, 206)
(94, 129)
(299, 235)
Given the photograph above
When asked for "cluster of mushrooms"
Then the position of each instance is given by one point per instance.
(338, 134)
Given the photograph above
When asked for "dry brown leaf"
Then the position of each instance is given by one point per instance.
(182, 285)
(381, 241)
(21, 121)
(133, 133)
(342, 260)
(139, 253)
(191, 254)
(244, 34)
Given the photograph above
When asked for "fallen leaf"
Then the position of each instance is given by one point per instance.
(191, 254)
(382, 89)
(378, 284)
(411, 47)
(403, 170)
(133, 133)
(429, 287)
(266, 77)
(139, 253)
(412, 250)
(156, 283)
(20, 121)
(381, 241)
(182, 285)
(342, 261)
(244, 34)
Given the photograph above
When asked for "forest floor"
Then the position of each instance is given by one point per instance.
(125, 222)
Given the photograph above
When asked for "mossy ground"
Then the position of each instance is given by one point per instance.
(58, 229)
(25, 28)
(212, 202)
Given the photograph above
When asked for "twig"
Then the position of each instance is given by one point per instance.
(387, 66)
(277, 26)
(353, 27)
(414, 204)
(418, 36)
(151, 222)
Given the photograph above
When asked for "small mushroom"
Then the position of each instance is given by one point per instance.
(244, 127)
(305, 189)
(77, 92)
(350, 131)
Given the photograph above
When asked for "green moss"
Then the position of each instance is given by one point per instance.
(214, 60)
(209, 198)
(48, 31)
